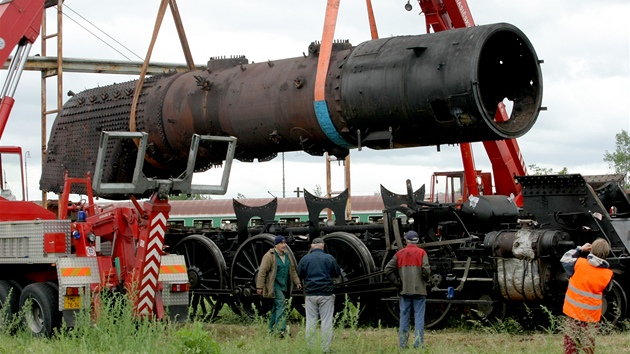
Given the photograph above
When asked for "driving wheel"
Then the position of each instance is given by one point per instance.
(354, 259)
(206, 272)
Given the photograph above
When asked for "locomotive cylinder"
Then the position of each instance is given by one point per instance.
(396, 92)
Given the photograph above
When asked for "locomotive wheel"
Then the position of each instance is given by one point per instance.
(615, 304)
(9, 301)
(354, 259)
(437, 314)
(206, 271)
(42, 316)
(244, 271)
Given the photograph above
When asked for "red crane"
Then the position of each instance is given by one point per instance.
(136, 263)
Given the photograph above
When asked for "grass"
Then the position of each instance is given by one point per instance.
(115, 330)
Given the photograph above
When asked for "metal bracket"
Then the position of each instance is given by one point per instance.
(140, 183)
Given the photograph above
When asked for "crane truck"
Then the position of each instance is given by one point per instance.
(52, 267)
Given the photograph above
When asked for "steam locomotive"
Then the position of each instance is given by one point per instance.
(493, 256)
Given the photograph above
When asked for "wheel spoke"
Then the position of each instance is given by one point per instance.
(244, 268)
(189, 259)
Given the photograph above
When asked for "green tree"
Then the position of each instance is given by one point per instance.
(619, 161)
(318, 191)
(537, 170)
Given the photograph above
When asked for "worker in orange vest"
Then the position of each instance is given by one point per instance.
(589, 280)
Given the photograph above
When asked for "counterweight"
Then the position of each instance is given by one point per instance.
(396, 92)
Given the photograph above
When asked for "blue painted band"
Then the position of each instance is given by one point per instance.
(321, 111)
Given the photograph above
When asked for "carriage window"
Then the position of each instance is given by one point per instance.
(256, 222)
(176, 223)
(228, 224)
(375, 219)
(202, 224)
(289, 220)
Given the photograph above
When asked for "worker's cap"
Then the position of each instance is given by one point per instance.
(317, 240)
(279, 239)
(412, 237)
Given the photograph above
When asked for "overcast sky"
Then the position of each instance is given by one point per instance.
(585, 46)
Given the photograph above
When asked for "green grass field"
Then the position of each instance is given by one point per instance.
(115, 331)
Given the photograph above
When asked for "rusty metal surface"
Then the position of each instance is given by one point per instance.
(388, 93)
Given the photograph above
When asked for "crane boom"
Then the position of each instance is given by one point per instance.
(20, 23)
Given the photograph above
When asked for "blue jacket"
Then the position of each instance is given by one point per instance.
(318, 270)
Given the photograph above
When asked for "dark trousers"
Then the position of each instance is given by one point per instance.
(278, 316)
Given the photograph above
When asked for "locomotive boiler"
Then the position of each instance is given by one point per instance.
(433, 89)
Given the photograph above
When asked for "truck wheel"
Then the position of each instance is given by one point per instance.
(9, 302)
(42, 316)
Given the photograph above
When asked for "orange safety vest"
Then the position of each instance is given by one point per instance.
(583, 300)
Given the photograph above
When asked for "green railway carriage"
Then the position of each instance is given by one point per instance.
(219, 213)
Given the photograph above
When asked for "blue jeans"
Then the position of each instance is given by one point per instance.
(278, 317)
(418, 303)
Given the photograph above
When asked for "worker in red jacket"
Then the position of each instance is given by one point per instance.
(413, 268)
(589, 280)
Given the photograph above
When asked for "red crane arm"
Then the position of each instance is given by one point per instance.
(442, 15)
(20, 20)
(459, 13)
(505, 155)
(20, 23)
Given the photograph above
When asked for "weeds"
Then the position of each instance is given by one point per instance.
(9, 322)
(194, 339)
(349, 316)
(554, 326)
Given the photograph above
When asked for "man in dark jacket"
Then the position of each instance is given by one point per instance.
(413, 268)
(318, 269)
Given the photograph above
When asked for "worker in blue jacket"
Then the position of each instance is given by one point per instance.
(318, 269)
